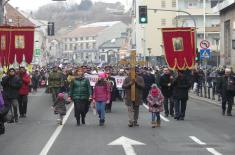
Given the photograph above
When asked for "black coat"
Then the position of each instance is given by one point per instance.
(113, 87)
(181, 87)
(11, 86)
(163, 82)
(222, 86)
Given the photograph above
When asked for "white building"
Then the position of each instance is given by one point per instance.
(82, 44)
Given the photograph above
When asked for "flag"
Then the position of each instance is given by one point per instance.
(22, 44)
(4, 44)
(179, 47)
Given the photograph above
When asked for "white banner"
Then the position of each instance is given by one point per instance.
(94, 78)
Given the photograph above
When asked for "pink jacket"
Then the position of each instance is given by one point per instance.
(101, 93)
(155, 103)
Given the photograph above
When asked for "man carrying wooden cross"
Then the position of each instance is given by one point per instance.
(133, 86)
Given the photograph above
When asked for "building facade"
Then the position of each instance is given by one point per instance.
(82, 44)
(227, 20)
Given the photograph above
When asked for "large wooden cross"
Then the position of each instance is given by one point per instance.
(132, 64)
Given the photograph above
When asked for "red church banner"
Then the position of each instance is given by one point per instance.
(19, 43)
(179, 46)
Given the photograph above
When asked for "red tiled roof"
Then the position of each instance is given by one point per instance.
(17, 18)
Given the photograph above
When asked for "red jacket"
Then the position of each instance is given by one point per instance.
(101, 92)
(24, 90)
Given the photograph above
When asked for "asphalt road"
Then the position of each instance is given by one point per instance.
(204, 132)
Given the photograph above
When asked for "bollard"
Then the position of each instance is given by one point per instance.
(205, 91)
(213, 92)
(209, 92)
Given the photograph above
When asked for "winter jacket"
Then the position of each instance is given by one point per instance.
(24, 90)
(222, 86)
(155, 103)
(11, 86)
(55, 79)
(181, 87)
(113, 87)
(163, 82)
(80, 88)
(101, 92)
(60, 106)
(138, 90)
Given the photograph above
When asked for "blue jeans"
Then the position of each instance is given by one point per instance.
(100, 108)
(155, 115)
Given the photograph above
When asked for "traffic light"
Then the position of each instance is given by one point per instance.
(51, 29)
(143, 14)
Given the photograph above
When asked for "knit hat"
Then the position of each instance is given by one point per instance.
(61, 95)
(154, 90)
(102, 75)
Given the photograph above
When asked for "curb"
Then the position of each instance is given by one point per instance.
(204, 99)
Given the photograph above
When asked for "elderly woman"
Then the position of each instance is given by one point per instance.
(81, 93)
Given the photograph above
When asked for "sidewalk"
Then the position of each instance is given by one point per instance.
(215, 102)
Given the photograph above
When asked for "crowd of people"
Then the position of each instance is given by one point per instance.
(159, 88)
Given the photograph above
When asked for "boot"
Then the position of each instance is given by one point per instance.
(101, 122)
(153, 124)
(158, 124)
(130, 124)
(83, 120)
(2, 128)
(78, 121)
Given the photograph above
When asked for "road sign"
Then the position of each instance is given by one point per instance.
(205, 53)
(204, 44)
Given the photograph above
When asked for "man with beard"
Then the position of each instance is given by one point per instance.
(133, 106)
(166, 81)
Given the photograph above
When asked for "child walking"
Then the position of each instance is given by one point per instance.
(155, 102)
(101, 97)
(60, 107)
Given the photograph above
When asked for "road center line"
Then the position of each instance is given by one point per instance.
(213, 151)
(56, 133)
(162, 117)
(195, 139)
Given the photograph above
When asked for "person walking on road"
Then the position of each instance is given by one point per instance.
(155, 101)
(55, 81)
(81, 93)
(60, 107)
(101, 96)
(181, 86)
(11, 85)
(23, 92)
(113, 90)
(226, 87)
(165, 83)
(133, 107)
(35, 80)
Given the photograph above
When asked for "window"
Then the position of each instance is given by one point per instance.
(87, 45)
(233, 44)
(76, 39)
(66, 47)
(81, 38)
(70, 39)
(163, 3)
(71, 47)
(174, 22)
(87, 38)
(192, 4)
(82, 46)
(94, 45)
(163, 22)
(173, 3)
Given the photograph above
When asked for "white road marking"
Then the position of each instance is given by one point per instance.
(195, 139)
(162, 117)
(127, 144)
(213, 151)
(56, 133)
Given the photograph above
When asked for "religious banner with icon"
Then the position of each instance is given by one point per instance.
(179, 47)
(4, 44)
(22, 44)
(16, 42)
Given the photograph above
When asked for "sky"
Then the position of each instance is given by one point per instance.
(28, 5)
